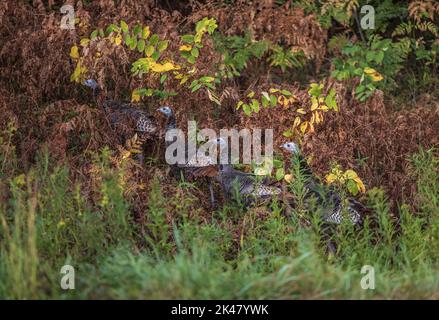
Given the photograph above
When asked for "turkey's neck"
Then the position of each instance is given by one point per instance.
(98, 94)
(172, 123)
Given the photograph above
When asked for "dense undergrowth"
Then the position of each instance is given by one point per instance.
(69, 194)
(232, 254)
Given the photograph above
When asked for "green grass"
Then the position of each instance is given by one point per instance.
(47, 222)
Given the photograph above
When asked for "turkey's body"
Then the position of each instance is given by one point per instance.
(245, 185)
(197, 166)
(335, 209)
(127, 120)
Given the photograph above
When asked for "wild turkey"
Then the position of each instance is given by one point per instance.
(334, 207)
(123, 118)
(245, 186)
(200, 165)
(331, 201)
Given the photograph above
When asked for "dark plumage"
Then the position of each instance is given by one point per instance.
(200, 166)
(331, 201)
(123, 118)
(245, 186)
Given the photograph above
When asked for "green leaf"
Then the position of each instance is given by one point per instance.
(94, 34)
(370, 56)
(280, 173)
(316, 90)
(273, 100)
(206, 79)
(247, 109)
(191, 59)
(196, 87)
(137, 30)
(287, 133)
(163, 78)
(154, 39)
(265, 101)
(111, 28)
(149, 50)
(124, 26)
(379, 57)
(278, 163)
(133, 43)
(141, 45)
(155, 56)
(187, 38)
(352, 187)
(195, 52)
(162, 45)
(330, 100)
(145, 32)
(255, 105)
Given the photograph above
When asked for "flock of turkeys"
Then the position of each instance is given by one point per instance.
(246, 188)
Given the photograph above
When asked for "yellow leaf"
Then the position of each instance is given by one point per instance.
(283, 101)
(314, 104)
(185, 47)
(360, 185)
(167, 66)
(330, 178)
(296, 122)
(368, 70)
(350, 174)
(149, 50)
(376, 77)
(301, 111)
(145, 32)
(135, 96)
(193, 70)
(184, 80)
(78, 72)
(288, 178)
(84, 42)
(316, 117)
(303, 126)
(323, 108)
(292, 99)
(74, 52)
(272, 90)
(261, 172)
(118, 40)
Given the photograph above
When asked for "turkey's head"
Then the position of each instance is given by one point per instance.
(91, 83)
(291, 147)
(167, 111)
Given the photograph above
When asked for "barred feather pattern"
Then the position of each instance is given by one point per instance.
(139, 120)
(245, 184)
